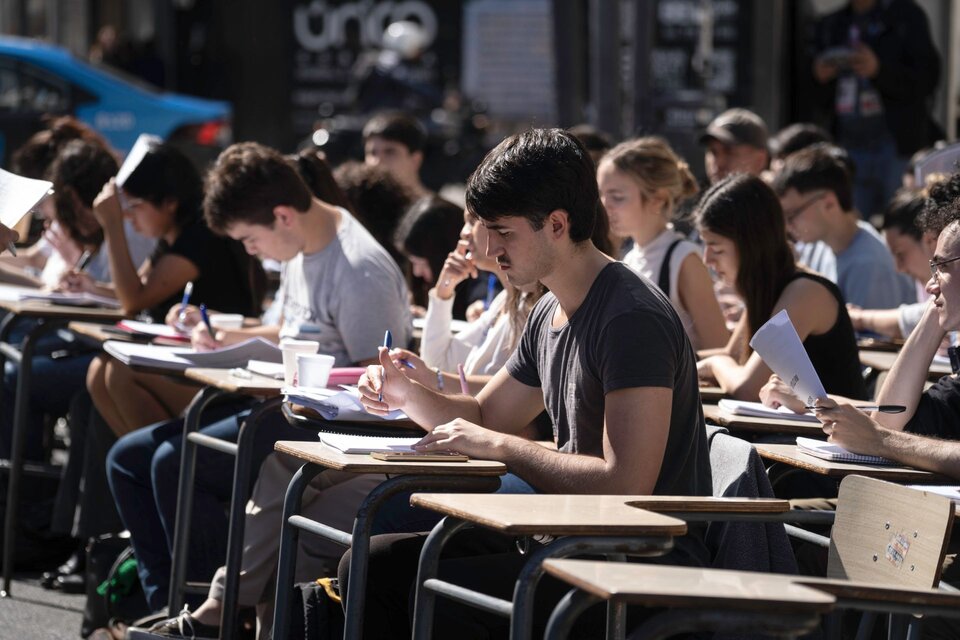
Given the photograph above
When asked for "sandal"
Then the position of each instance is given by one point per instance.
(186, 626)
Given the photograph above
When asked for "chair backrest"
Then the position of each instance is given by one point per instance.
(887, 533)
(738, 471)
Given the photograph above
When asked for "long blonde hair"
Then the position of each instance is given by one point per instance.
(656, 168)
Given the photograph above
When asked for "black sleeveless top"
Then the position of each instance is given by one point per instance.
(834, 354)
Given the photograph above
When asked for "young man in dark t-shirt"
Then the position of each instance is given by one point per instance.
(604, 352)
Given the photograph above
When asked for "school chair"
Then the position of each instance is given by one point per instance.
(885, 554)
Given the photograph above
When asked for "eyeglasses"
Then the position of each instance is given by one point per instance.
(792, 215)
(936, 267)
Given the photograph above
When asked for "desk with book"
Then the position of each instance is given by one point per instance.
(754, 418)
(49, 317)
(796, 456)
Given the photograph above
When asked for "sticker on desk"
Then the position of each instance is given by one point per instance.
(897, 549)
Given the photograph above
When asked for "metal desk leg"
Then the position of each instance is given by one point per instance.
(20, 426)
(181, 531)
(521, 623)
(287, 560)
(359, 558)
(566, 613)
(425, 600)
(616, 611)
(238, 501)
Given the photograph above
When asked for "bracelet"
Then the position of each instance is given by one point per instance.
(439, 380)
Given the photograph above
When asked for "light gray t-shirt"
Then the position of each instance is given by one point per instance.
(867, 276)
(345, 296)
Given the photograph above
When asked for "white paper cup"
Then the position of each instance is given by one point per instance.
(313, 369)
(226, 321)
(290, 348)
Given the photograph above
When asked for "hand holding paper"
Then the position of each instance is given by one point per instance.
(779, 345)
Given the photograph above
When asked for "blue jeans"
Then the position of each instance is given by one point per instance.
(397, 516)
(143, 469)
(878, 175)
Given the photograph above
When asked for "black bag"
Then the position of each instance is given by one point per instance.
(113, 588)
(316, 612)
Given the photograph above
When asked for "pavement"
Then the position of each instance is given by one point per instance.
(35, 613)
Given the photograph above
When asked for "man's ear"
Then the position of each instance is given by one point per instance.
(417, 157)
(830, 201)
(285, 215)
(929, 242)
(558, 223)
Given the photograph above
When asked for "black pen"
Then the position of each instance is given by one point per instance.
(882, 408)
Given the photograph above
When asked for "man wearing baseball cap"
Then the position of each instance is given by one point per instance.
(736, 142)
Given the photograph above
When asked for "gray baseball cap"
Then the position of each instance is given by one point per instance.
(737, 126)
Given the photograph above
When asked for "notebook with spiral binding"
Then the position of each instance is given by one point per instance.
(836, 453)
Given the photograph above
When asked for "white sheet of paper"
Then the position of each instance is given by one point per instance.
(367, 444)
(132, 161)
(779, 345)
(150, 328)
(19, 195)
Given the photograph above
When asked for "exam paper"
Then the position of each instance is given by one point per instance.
(19, 195)
(779, 345)
(132, 161)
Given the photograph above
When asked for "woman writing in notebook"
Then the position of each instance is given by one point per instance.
(640, 182)
(742, 226)
(162, 197)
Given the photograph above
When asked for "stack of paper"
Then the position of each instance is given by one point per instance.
(836, 453)
(335, 404)
(367, 444)
(757, 410)
(152, 330)
(180, 358)
(9, 293)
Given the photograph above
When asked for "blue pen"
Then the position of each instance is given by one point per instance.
(491, 291)
(206, 321)
(387, 342)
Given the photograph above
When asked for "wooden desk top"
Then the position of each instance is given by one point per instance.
(881, 344)
(38, 309)
(761, 425)
(94, 331)
(708, 504)
(849, 590)
(526, 514)
(711, 395)
(788, 454)
(321, 454)
(666, 586)
(883, 361)
(256, 384)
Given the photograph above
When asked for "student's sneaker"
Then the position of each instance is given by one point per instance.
(185, 626)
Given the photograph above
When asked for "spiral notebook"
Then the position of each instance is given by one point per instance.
(836, 453)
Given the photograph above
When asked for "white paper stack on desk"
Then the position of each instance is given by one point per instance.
(336, 404)
(180, 358)
(757, 410)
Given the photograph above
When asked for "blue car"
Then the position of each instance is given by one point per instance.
(38, 78)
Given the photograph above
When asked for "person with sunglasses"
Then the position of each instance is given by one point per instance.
(815, 190)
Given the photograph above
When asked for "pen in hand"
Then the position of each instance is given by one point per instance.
(387, 342)
(83, 261)
(206, 321)
(882, 408)
(187, 292)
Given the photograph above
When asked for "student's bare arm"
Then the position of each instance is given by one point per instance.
(812, 309)
(633, 448)
(696, 294)
(504, 404)
(904, 384)
(856, 431)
